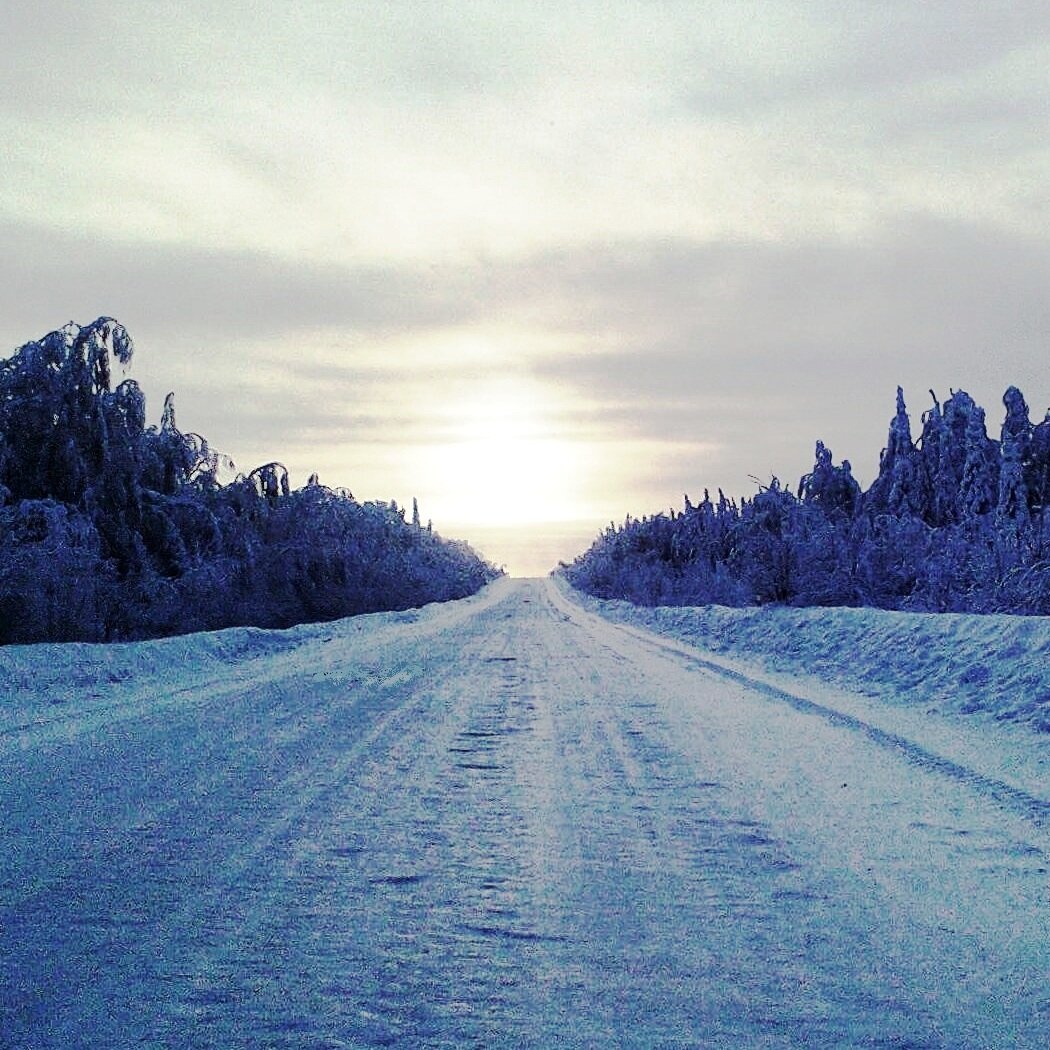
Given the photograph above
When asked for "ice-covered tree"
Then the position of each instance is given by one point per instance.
(832, 489)
(979, 483)
(1012, 511)
(110, 529)
(957, 523)
(900, 488)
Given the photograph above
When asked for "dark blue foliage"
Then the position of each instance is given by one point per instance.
(110, 529)
(954, 521)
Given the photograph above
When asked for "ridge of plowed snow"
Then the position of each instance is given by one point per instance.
(37, 681)
(998, 666)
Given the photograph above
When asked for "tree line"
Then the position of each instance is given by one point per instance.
(114, 530)
(955, 521)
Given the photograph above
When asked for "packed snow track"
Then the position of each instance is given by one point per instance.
(502, 822)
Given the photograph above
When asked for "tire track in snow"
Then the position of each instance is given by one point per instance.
(317, 865)
(216, 880)
(696, 913)
(1026, 804)
(960, 875)
(507, 828)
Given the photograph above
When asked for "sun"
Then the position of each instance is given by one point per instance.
(507, 456)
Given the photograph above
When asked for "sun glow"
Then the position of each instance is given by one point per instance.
(507, 457)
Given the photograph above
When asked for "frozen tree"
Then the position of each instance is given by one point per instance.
(958, 412)
(1037, 474)
(935, 453)
(979, 482)
(958, 523)
(900, 488)
(1012, 512)
(109, 529)
(833, 489)
(270, 481)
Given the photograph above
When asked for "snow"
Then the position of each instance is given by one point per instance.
(76, 679)
(975, 689)
(505, 821)
(998, 666)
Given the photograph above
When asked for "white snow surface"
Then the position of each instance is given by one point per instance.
(508, 821)
(975, 689)
(997, 666)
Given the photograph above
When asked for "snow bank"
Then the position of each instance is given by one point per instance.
(38, 676)
(76, 667)
(995, 665)
(48, 680)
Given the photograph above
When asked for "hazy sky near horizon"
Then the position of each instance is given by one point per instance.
(539, 265)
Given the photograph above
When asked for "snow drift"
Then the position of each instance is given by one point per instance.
(995, 665)
(90, 677)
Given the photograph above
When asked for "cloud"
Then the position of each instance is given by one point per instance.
(708, 232)
(265, 356)
(743, 352)
(759, 349)
(371, 134)
(208, 293)
(786, 55)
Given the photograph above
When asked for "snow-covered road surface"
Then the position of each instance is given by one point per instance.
(502, 822)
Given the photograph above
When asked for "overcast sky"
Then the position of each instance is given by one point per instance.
(538, 264)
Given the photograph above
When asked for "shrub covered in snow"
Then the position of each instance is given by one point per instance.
(955, 521)
(110, 529)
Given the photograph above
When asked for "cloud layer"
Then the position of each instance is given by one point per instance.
(694, 238)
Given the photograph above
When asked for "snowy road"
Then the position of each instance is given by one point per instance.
(505, 822)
